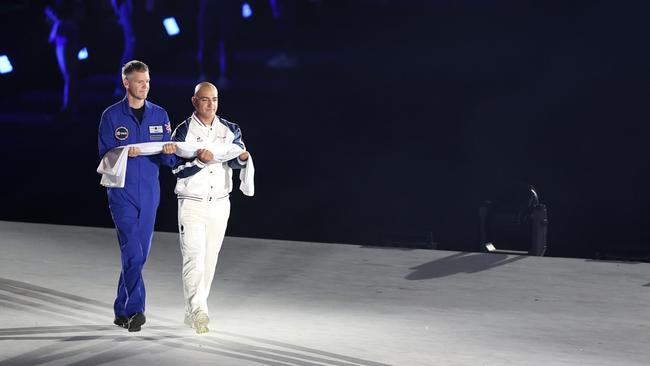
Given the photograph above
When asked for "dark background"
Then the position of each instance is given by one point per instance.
(399, 119)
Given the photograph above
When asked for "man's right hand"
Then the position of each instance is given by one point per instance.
(204, 155)
(134, 151)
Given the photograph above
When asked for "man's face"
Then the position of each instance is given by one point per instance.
(137, 85)
(206, 102)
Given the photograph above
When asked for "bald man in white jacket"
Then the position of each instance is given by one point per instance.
(203, 188)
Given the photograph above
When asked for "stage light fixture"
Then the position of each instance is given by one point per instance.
(246, 10)
(83, 54)
(5, 65)
(171, 26)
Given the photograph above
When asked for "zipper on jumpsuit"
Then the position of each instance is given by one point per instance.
(139, 126)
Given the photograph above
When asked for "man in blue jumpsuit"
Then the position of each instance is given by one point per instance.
(133, 208)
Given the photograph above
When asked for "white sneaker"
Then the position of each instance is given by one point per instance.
(200, 322)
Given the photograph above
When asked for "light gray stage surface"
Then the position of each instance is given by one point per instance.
(291, 303)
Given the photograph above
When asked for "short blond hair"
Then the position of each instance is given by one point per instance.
(133, 66)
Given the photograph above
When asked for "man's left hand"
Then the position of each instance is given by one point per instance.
(169, 148)
(244, 156)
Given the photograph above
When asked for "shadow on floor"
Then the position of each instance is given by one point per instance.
(460, 263)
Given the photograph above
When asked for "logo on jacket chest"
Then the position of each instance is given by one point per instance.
(155, 129)
(156, 133)
(121, 133)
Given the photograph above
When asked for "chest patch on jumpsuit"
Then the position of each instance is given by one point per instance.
(155, 129)
(121, 133)
(156, 133)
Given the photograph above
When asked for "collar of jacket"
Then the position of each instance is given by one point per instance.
(197, 120)
(126, 109)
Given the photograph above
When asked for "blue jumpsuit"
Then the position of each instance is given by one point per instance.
(133, 207)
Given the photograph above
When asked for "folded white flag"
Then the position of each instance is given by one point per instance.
(112, 167)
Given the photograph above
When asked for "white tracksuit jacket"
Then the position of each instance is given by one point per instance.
(196, 180)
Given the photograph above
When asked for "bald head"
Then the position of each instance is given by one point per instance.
(205, 102)
(204, 87)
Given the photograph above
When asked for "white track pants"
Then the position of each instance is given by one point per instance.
(202, 226)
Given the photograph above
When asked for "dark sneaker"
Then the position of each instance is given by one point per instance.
(121, 321)
(135, 322)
